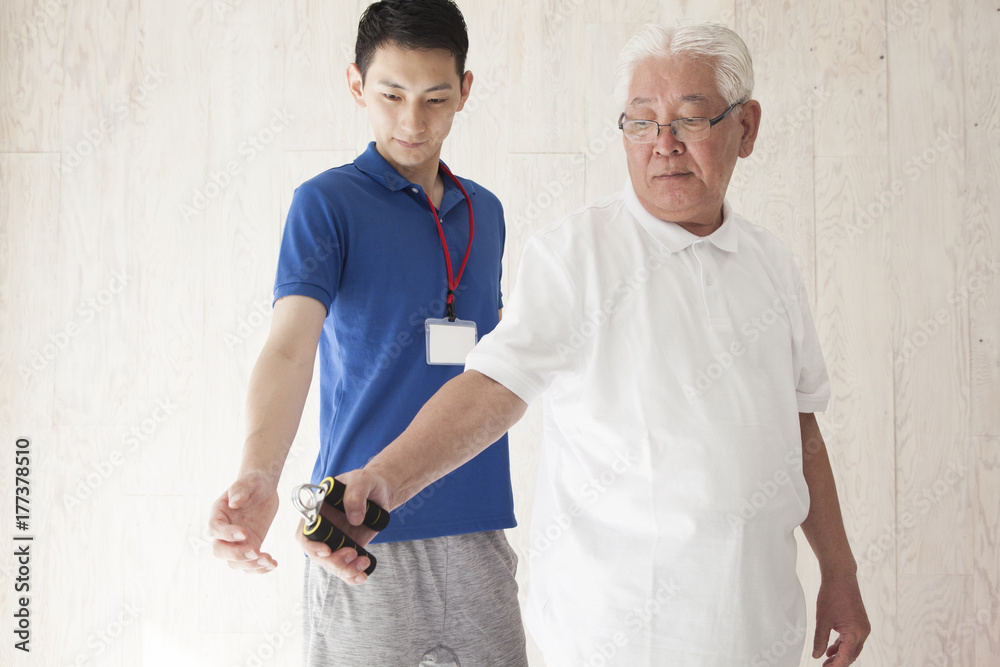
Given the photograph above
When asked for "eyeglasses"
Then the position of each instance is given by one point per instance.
(683, 129)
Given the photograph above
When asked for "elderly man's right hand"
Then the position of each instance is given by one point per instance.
(345, 563)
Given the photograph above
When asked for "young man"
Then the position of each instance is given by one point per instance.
(372, 251)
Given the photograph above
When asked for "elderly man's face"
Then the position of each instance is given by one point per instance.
(685, 182)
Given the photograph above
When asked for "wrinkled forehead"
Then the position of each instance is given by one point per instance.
(677, 79)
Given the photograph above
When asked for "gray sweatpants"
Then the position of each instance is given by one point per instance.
(442, 602)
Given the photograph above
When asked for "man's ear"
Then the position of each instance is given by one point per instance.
(466, 89)
(355, 84)
(750, 121)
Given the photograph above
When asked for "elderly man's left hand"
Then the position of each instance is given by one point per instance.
(839, 608)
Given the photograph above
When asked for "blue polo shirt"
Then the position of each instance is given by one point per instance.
(362, 240)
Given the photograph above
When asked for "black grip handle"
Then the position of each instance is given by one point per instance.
(323, 530)
(376, 518)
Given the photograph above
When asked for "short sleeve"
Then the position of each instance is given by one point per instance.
(529, 347)
(311, 256)
(812, 384)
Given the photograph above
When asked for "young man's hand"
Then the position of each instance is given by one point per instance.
(239, 521)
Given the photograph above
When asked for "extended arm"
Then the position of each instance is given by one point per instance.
(241, 517)
(839, 606)
(279, 385)
(463, 418)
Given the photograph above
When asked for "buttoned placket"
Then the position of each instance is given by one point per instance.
(708, 280)
(441, 210)
(415, 190)
(451, 198)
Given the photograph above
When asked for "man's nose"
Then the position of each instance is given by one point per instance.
(666, 143)
(413, 118)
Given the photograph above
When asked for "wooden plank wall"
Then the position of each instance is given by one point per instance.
(148, 151)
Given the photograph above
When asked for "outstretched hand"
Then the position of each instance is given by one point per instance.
(839, 607)
(239, 521)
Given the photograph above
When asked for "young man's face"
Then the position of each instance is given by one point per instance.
(412, 97)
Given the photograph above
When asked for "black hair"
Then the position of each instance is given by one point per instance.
(412, 24)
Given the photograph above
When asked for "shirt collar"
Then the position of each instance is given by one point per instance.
(374, 165)
(674, 237)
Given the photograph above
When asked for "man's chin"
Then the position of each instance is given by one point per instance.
(672, 208)
(683, 213)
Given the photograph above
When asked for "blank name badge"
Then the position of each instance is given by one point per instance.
(449, 342)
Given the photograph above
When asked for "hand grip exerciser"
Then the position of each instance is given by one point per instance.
(328, 496)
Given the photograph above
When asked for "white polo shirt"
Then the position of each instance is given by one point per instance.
(672, 369)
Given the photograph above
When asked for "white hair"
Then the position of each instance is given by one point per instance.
(710, 41)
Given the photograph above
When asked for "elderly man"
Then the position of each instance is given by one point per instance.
(671, 342)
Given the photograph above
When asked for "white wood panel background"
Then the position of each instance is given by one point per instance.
(129, 323)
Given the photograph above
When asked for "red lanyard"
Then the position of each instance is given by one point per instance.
(453, 281)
